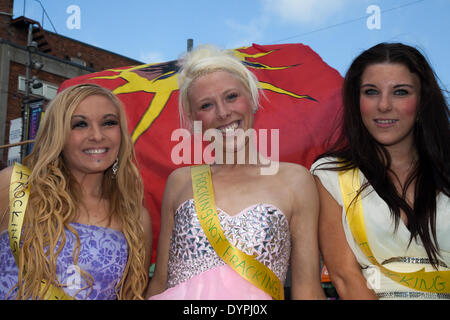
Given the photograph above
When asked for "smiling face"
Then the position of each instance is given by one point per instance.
(221, 102)
(389, 98)
(95, 136)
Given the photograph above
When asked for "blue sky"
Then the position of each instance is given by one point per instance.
(338, 30)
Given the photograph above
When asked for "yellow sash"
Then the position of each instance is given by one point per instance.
(433, 281)
(245, 265)
(19, 192)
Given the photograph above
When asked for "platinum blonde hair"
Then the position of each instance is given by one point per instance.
(207, 59)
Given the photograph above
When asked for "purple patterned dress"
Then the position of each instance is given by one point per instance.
(103, 254)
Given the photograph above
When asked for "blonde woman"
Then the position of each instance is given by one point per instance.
(272, 218)
(85, 229)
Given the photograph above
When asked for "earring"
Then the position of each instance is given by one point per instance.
(54, 163)
(115, 167)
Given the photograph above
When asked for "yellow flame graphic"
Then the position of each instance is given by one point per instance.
(161, 79)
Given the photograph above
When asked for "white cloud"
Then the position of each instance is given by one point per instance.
(248, 33)
(152, 57)
(312, 12)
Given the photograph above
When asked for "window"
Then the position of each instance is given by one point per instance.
(78, 61)
(48, 90)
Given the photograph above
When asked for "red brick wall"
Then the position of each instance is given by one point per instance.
(15, 97)
(96, 58)
(61, 47)
(7, 7)
(65, 48)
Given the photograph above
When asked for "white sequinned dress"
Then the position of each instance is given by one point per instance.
(195, 271)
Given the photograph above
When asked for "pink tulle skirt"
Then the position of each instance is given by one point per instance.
(220, 283)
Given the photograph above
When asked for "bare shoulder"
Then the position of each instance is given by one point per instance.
(295, 174)
(5, 175)
(178, 177)
(177, 183)
(300, 189)
(5, 178)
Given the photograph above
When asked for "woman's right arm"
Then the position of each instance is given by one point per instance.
(344, 269)
(5, 179)
(158, 282)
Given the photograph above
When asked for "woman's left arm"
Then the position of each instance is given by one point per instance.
(305, 264)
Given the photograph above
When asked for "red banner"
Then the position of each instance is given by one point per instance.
(302, 101)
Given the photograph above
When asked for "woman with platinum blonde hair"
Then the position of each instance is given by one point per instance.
(207, 59)
(85, 233)
(241, 248)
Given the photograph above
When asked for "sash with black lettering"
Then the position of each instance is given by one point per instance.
(432, 281)
(245, 265)
(19, 192)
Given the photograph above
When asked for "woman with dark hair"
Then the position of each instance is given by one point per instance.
(384, 185)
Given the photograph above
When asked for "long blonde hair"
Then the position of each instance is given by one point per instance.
(55, 196)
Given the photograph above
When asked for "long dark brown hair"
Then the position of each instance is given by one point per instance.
(358, 149)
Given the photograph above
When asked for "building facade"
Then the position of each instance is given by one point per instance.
(50, 59)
